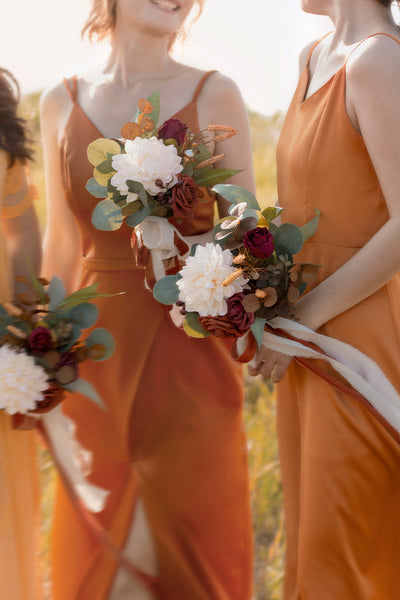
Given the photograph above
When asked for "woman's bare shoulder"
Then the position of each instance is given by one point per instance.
(55, 100)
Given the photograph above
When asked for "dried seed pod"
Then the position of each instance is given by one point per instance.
(210, 161)
(239, 259)
(261, 294)
(147, 124)
(65, 375)
(232, 277)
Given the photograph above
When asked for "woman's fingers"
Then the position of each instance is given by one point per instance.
(269, 364)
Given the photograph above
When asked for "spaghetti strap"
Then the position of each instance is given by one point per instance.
(201, 84)
(367, 38)
(71, 85)
(315, 45)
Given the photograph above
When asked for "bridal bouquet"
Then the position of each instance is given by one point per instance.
(41, 348)
(246, 277)
(153, 171)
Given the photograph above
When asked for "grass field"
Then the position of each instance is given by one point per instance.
(265, 482)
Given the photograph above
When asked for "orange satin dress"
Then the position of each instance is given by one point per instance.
(172, 433)
(19, 472)
(340, 468)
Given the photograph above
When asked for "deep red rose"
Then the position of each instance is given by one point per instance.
(40, 340)
(221, 327)
(173, 129)
(260, 242)
(237, 314)
(184, 196)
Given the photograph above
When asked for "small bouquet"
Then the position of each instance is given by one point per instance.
(153, 171)
(41, 347)
(246, 277)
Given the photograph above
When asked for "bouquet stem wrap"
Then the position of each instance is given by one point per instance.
(365, 377)
(163, 241)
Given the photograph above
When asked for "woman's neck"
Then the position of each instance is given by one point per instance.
(357, 19)
(135, 53)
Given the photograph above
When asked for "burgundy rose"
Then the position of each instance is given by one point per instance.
(260, 242)
(221, 327)
(184, 196)
(40, 340)
(173, 129)
(237, 314)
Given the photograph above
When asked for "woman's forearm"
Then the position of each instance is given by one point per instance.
(361, 276)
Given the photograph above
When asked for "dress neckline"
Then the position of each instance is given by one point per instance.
(94, 126)
(306, 74)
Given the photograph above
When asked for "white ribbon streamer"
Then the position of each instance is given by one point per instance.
(361, 372)
(73, 459)
(158, 235)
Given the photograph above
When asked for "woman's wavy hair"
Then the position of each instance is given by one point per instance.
(14, 137)
(102, 18)
(388, 3)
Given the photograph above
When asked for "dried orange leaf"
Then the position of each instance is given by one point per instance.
(131, 130)
(293, 294)
(65, 375)
(251, 303)
(147, 124)
(309, 273)
(145, 106)
(52, 358)
(271, 297)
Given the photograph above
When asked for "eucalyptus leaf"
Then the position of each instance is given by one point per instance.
(193, 327)
(216, 176)
(166, 291)
(74, 336)
(135, 187)
(258, 329)
(57, 292)
(271, 212)
(290, 236)
(139, 216)
(310, 228)
(104, 338)
(99, 150)
(97, 190)
(85, 388)
(107, 216)
(235, 194)
(105, 167)
(188, 169)
(202, 152)
(85, 315)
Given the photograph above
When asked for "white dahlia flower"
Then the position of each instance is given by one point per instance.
(147, 161)
(201, 287)
(21, 381)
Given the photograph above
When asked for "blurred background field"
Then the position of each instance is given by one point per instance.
(266, 493)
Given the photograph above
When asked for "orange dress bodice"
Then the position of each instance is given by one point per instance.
(340, 469)
(172, 431)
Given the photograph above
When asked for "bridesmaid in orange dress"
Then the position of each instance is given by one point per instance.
(19, 240)
(170, 446)
(339, 152)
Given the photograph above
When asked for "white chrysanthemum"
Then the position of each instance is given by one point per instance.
(201, 287)
(21, 381)
(146, 161)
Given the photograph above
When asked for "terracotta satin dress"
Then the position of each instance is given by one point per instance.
(172, 433)
(19, 486)
(340, 468)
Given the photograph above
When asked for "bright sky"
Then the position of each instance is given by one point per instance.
(256, 42)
